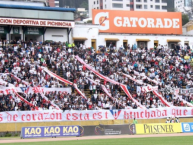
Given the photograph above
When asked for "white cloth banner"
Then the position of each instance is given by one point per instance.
(67, 90)
(123, 87)
(24, 100)
(9, 90)
(88, 115)
(103, 87)
(105, 90)
(185, 91)
(165, 102)
(144, 77)
(54, 105)
(131, 78)
(149, 88)
(26, 83)
(63, 80)
(155, 88)
(3, 83)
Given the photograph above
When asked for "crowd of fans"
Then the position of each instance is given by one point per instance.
(171, 67)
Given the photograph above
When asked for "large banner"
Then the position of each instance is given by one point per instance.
(27, 90)
(185, 91)
(158, 128)
(9, 90)
(50, 131)
(36, 22)
(67, 90)
(91, 115)
(113, 21)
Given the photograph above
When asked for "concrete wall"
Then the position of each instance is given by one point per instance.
(92, 32)
(184, 31)
(38, 38)
(187, 32)
(16, 127)
(56, 34)
(88, 31)
(162, 40)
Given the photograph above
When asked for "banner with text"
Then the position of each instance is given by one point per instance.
(113, 21)
(36, 22)
(158, 128)
(67, 90)
(91, 115)
(27, 90)
(50, 131)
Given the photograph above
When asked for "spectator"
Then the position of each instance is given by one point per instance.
(170, 68)
(135, 121)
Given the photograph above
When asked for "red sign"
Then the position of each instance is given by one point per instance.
(34, 22)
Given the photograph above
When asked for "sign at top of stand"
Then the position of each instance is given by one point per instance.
(113, 21)
(35, 22)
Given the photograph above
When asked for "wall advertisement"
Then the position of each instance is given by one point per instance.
(113, 21)
(131, 129)
(50, 131)
(158, 128)
(36, 22)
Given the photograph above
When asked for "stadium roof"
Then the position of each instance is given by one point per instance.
(38, 8)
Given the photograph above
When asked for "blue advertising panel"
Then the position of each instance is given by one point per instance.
(187, 127)
(50, 131)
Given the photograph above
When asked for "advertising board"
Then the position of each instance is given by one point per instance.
(50, 131)
(158, 128)
(107, 130)
(187, 127)
(113, 21)
(36, 22)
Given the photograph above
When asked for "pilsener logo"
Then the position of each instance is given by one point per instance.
(101, 19)
(186, 127)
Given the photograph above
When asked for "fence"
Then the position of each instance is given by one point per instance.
(16, 127)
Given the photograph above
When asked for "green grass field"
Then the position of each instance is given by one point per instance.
(184, 140)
